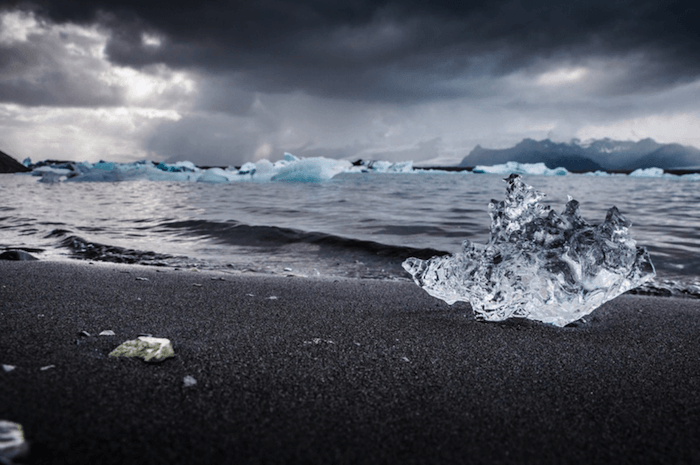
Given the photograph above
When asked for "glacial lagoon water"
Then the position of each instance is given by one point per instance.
(357, 225)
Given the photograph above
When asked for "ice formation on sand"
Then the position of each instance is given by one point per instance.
(12, 442)
(151, 349)
(555, 268)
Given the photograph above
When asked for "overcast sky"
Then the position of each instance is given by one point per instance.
(221, 83)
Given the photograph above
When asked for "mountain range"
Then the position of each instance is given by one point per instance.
(602, 154)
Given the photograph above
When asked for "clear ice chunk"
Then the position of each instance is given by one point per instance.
(540, 265)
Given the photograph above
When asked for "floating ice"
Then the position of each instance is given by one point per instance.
(539, 169)
(290, 168)
(647, 173)
(538, 264)
(213, 176)
(310, 170)
(381, 166)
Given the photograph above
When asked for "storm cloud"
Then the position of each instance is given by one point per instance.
(394, 51)
(356, 78)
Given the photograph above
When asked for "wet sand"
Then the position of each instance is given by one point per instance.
(335, 372)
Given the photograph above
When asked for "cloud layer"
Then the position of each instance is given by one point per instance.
(425, 80)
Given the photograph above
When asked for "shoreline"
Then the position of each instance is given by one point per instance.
(673, 287)
(335, 371)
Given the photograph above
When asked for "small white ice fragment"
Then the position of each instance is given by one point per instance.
(8, 368)
(188, 381)
(107, 332)
(318, 340)
(272, 297)
(12, 443)
(554, 268)
(47, 367)
(151, 349)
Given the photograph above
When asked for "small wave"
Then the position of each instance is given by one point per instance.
(668, 288)
(86, 250)
(379, 261)
(241, 234)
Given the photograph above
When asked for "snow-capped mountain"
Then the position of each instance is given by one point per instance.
(605, 154)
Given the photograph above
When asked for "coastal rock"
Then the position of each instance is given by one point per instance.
(10, 165)
(150, 349)
(12, 443)
(19, 255)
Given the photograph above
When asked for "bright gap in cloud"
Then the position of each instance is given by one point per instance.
(138, 102)
(562, 76)
(144, 87)
(16, 26)
(151, 40)
(79, 134)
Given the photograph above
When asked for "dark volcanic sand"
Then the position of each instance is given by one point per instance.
(406, 378)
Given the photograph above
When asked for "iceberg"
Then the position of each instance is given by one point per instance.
(537, 169)
(290, 169)
(311, 170)
(178, 167)
(214, 176)
(647, 173)
(540, 265)
(381, 166)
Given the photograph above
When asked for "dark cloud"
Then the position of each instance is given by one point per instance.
(210, 139)
(223, 94)
(390, 51)
(221, 83)
(41, 72)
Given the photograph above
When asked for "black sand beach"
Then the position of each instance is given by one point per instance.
(335, 372)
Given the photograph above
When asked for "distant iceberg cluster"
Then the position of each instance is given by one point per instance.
(659, 173)
(289, 169)
(540, 169)
(513, 167)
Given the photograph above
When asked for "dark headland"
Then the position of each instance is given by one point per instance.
(335, 372)
(10, 165)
